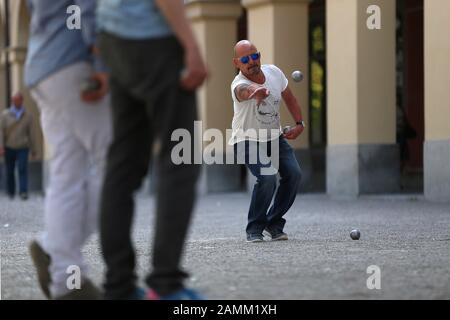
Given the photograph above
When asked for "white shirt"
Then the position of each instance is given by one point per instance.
(249, 117)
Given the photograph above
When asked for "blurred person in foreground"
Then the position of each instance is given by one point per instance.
(77, 127)
(155, 67)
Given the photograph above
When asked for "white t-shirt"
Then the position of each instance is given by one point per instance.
(249, 118)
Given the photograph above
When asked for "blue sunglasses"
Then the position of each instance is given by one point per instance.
(254, 56)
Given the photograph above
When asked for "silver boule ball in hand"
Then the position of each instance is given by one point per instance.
(286, 129)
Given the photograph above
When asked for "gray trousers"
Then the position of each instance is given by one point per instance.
(147, 104)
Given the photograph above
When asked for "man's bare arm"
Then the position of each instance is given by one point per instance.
(196, 71)
(292, 104)
(243, 92)
(246, 92)
(296, 112)
(174, 12)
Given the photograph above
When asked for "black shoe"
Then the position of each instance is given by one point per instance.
(41, 261)
(24, 196)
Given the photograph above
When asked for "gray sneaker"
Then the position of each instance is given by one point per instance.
(255, 238)
(41, 261)
(275, 236)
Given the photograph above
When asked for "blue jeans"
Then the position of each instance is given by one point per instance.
(21, 157)
(260, 216)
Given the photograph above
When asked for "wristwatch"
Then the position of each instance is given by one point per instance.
(302, 123)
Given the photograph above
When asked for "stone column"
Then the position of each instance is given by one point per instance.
(215, 26)
(2, 75)
(437, 100)
(362, 155)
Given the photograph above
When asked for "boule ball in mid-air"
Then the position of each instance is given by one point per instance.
(297, 76)
(355, 234)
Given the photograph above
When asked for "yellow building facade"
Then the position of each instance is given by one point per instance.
(349, 96)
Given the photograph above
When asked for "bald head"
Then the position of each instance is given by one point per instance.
(242, 47)
(247, 59)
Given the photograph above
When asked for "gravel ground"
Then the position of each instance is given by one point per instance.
(407, 237)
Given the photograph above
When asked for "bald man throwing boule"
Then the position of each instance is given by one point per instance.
(257, 92)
